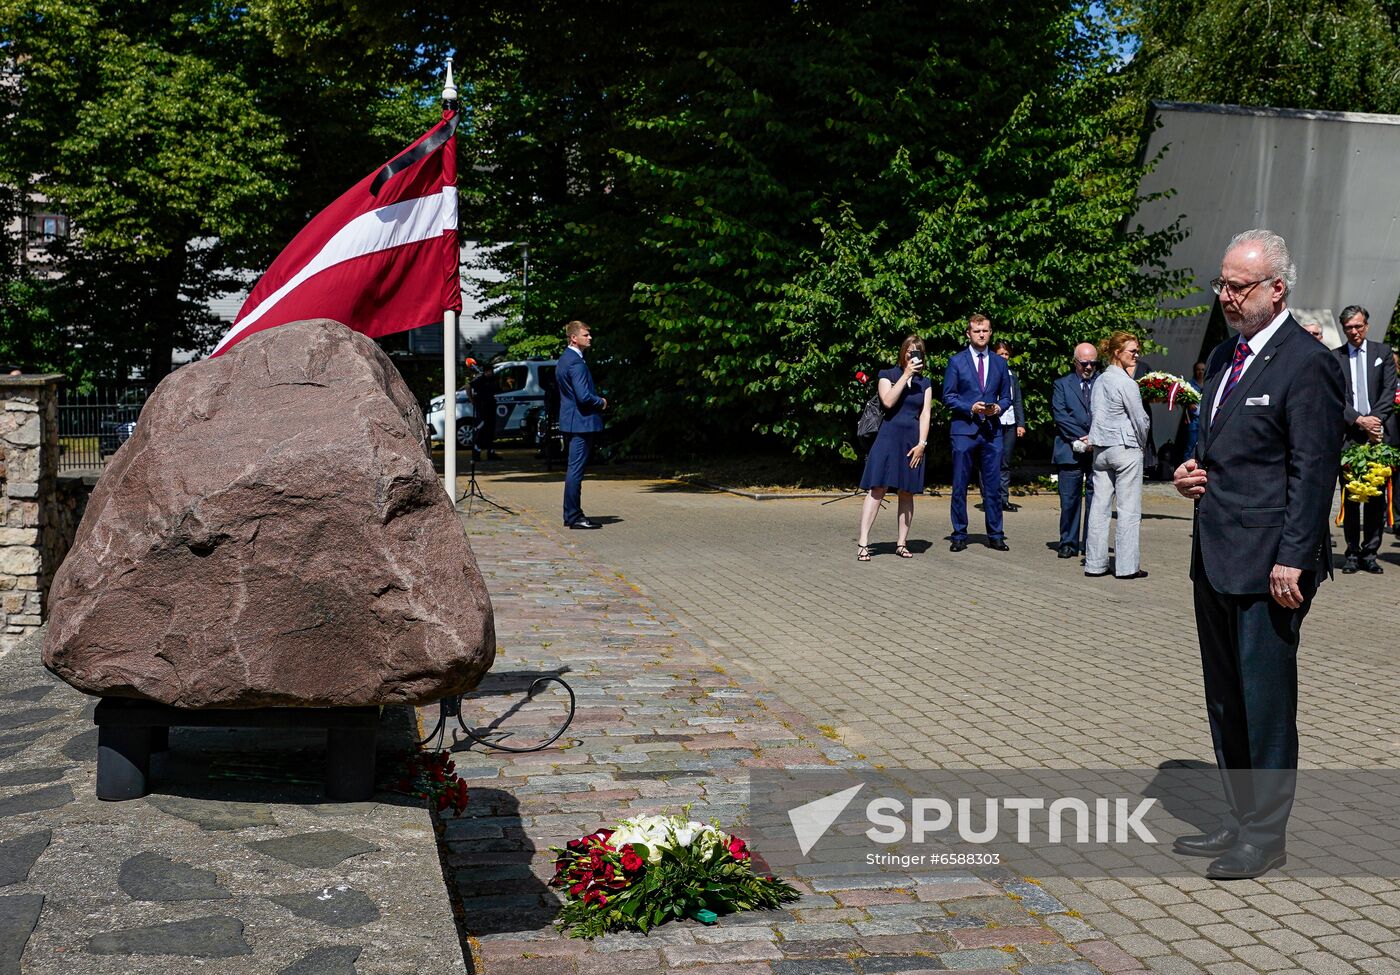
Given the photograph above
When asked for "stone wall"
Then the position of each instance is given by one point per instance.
(30, 546)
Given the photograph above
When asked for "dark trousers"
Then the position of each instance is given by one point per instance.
(1362, 525)
(983, 451)
(1076, 496)
(577, 446)
(1249, 655)
(1008, 447)
(484, 434)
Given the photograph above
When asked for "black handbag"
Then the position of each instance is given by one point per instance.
(868, 426)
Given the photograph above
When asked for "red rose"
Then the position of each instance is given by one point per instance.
(596, 897)
(630, 861)
(862, 377)
(604, 834)
(738, 849)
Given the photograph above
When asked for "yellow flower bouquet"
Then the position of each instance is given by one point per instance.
(1366, 470)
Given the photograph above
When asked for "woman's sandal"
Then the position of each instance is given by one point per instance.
(863, 553)
(903, 552)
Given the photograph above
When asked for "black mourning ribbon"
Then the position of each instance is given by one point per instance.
(418, 153)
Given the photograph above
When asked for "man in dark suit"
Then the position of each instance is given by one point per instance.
(1262, 479)
(580, 418)
(1073, 457)
(1012, 424)
(977, 389)
(1370, 376)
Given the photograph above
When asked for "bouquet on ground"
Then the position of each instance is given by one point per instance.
(652, 869)
(1366, 468)
(1163, 387)
(432, 776)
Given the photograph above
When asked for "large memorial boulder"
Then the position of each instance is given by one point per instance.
(273, 534)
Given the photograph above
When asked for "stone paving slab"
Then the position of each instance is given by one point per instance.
(664, 723)
(233, 866)
(1013, 660)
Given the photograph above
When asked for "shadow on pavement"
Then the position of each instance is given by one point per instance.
(487, 857)
(1203, 811)
(271, 765)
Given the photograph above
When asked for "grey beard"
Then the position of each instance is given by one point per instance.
(1251, 323)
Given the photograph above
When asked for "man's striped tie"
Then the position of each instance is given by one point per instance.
(1236, 370)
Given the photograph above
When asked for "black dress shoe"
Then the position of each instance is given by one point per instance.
(1139, 574)
(958, 545)
(1245, 861)
(1349, 564)
(999, 544)
(1207, 844)
(584, 523)
(1068, 551)
(1371, 566)
(1095, 575)
(1011, 506)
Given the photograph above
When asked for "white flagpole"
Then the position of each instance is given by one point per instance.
(449, 403)
(449, 361)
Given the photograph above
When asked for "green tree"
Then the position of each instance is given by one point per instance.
(179, 143)
(1035, 230)
(1339, 55)
(750, 200)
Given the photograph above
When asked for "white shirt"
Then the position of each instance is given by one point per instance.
(1356, 362)
(1256, 345)
(574, 348)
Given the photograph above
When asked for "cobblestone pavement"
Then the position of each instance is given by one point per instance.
(663, 724)
(981, 660)
(232, 866)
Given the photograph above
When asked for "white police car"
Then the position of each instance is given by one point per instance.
(520, 400)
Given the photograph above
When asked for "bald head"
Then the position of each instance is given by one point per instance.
(1086, 358)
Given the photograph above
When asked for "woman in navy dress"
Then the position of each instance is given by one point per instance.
(897, 458)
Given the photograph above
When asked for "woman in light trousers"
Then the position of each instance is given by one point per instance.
(1118, 432)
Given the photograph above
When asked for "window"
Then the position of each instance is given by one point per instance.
(513, 378)
(48, 226)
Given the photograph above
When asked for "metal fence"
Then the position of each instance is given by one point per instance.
(92, 425)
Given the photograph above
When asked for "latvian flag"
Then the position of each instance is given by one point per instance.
(381, 259)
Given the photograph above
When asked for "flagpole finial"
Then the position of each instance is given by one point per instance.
(449, 90)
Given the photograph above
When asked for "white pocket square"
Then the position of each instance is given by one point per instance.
(1377, 362)
(1257, 400)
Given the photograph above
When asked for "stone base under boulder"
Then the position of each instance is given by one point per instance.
(129, 732)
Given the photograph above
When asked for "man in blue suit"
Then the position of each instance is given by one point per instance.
(580, 419)
(976, 390)
(1069, 405)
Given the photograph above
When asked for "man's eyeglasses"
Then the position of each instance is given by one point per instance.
(1091, 363)
(1220, 286)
